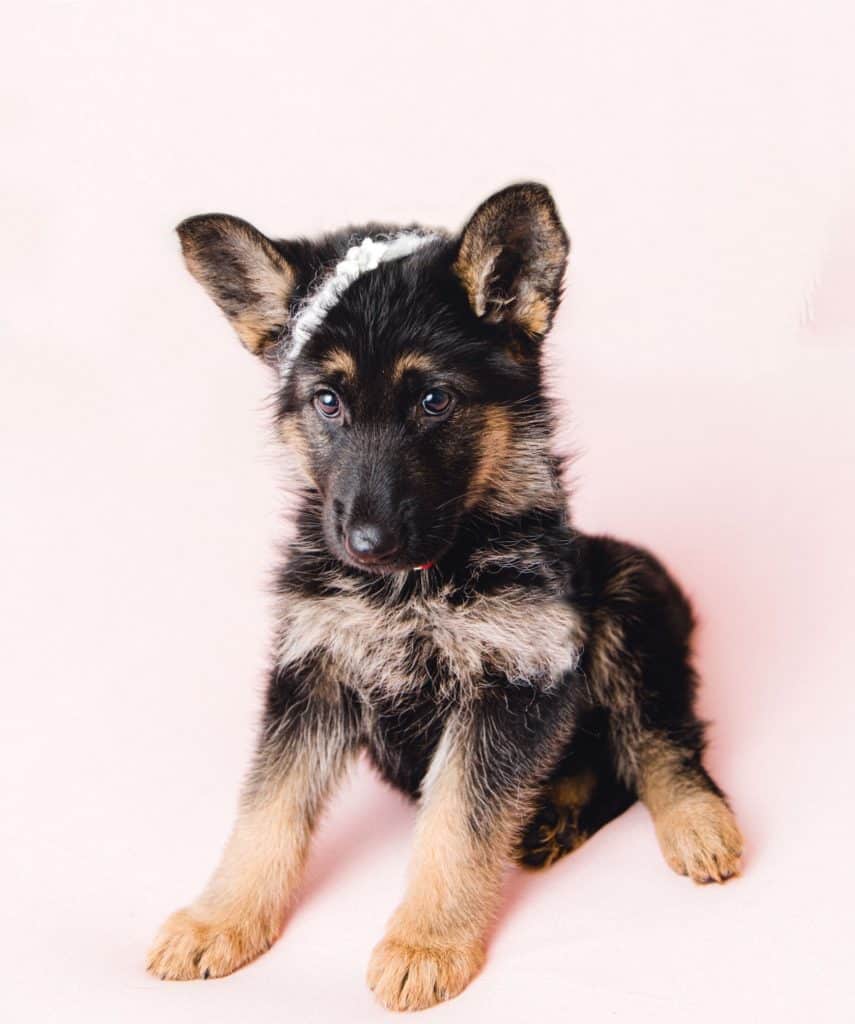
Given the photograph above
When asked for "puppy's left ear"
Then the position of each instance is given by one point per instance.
(511, 259)
(243, 272)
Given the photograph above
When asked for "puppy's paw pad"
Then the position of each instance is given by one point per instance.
(405, 976)
(700, 838)
(188, 946)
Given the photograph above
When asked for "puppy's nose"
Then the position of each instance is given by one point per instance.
(370, 542)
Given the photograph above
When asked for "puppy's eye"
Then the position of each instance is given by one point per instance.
(436, 402)
(328, 403)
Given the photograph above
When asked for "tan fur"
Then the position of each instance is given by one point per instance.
(495, 438)
(616, 681)
(532, 312)
(269, 280)
(291, 433)
(240, 913)
(435, 942)
(512, 473)
(473, 266)
(696, 829)
(520, 633)
(252, 329)
(700, 838)
(662, 781)
(339, 361)
(567, 796)
(406, 976)
(574, 790)
(495, 226)
(411, 361)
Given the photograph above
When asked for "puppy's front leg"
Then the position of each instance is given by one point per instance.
(305, 742)
(475, 798)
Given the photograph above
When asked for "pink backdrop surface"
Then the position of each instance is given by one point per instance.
(702, 157)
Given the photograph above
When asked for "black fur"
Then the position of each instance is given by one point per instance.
(411, 470)
(475, 634)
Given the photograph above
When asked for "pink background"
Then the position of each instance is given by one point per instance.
(702, 156)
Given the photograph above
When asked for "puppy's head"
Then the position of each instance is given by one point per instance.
(408, 365)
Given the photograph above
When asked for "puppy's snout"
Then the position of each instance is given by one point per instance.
(370, 542)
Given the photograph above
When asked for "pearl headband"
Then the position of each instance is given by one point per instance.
(359, 260)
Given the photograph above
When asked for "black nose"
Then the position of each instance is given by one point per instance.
(370, 542)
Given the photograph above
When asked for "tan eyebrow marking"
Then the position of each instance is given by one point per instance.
(411, 361)
(338, 360)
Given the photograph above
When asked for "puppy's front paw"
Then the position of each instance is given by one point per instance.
(190, 945)
(700, 838)
(404, 976)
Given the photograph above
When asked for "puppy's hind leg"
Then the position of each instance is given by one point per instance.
(695, 826)
(640, 670)
(582, 795)
(304, 746)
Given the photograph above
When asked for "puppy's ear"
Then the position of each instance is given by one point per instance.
(511, 258)
(243, 272)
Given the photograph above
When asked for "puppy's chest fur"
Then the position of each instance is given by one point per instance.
(521, 634)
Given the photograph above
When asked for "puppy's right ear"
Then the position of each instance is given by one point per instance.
(511, 259)
(243, 272)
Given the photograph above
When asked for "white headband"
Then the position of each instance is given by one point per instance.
(360, 259)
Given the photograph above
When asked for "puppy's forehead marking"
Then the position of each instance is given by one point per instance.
(339, 361)
(410, 361)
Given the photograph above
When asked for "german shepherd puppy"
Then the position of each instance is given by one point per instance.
(523, 682)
